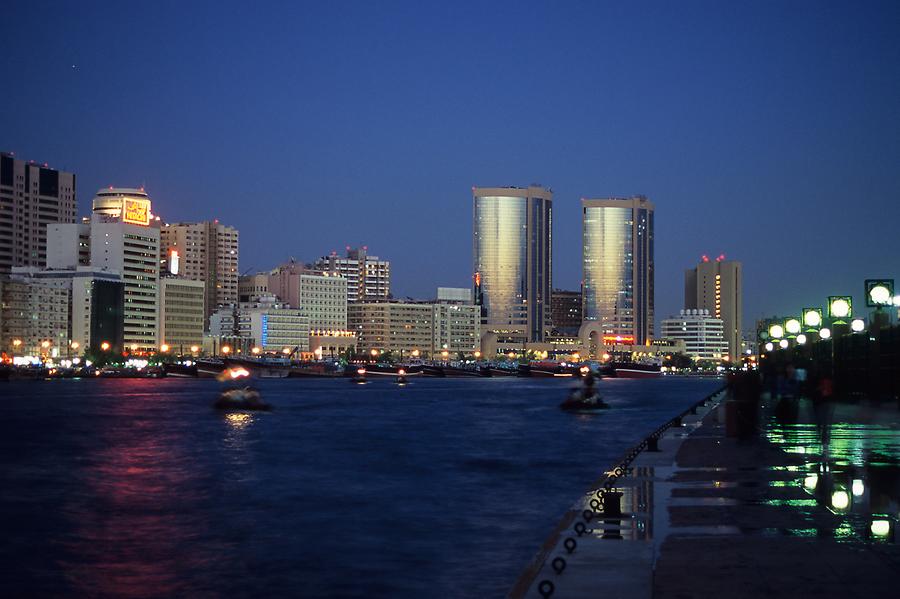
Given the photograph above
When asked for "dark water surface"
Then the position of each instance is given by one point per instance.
(445, 488)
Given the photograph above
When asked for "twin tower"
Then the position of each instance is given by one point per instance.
(513, 264)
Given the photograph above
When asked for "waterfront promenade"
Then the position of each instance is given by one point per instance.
(804, 505)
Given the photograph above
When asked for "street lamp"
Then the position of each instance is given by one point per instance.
(195, 349)
(415, 353)
(858, 325)
(45, 344)
(879, 292)
(812, 318)
(840, 307)
(226, 350)
(776, 331)
(792, 326)
(769, 346)
(801, 339)
(255, 350)
(105, 346)
(477, 354)
(164, 347)
(825, 333)
(783, 344)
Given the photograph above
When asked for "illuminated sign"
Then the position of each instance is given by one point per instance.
(618, 339)
(136, 211)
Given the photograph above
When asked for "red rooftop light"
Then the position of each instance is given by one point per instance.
(704, 258)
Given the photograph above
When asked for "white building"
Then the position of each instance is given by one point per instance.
(321, 296)
(35, 316)
(703, 335)
(456, 328)
(268, 325)
(123, 239)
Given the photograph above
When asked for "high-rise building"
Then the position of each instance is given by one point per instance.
(205, 251)
(701, 332)
(31, 197)
(181, 313)
(252, 287)
(565, 312)
(716, 285)
(512, 260)
(123, 238)
(368, 277)
(618, 268)
(399, 327)
(34, 315)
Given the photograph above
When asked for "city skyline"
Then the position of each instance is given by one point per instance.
(742, 154)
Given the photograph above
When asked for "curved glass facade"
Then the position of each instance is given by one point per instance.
(511, 249)
(617, 266)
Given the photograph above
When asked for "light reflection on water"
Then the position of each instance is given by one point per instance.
(138, 488)
(852, 462)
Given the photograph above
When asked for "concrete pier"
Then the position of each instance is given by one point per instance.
(806, 505)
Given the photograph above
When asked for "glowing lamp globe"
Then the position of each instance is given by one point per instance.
(812, 317)
(840, 308)
(801, 339)
(783, 344)
(770, 346)
(858, 325)
(792, 326)
(776, 331)
(825, 333)
(880, 295)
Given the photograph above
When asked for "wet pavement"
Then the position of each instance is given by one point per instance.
(808, 506)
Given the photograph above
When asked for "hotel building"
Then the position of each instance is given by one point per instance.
(368, 277)
(618, 268)
(716, 286)
(31, 197)
(702, 333)
(205, 251)
(511, 250)
(123, 238)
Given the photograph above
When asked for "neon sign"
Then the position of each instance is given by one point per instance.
(136, 211)
(618, 339)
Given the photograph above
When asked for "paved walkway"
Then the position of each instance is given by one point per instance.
(779, 515)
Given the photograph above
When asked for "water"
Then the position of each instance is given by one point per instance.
(444, 488)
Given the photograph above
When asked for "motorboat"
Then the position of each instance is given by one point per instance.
(244, 398)
(577, 402)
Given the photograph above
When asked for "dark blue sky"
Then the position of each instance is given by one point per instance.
(767, 131)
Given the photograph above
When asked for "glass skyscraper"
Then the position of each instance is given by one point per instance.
(617, 265)
(512, 261)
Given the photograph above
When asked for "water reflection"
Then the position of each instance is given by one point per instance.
(851, 455)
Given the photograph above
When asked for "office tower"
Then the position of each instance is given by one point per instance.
(617, 236)
(182, 316)
(34, 315)
(716, 285)
(31, 197)
(565, 312)
(368, 277)
(702, 333)
(123, 238)
(205, 251)
(512, 260)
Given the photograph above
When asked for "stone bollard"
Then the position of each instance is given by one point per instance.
(612, 503)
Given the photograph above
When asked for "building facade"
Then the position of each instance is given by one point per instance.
(565, 312)
(252, 287)
(456, 328)
(321, 296)
(34, 316)
(206, 251)
(182, 316)
(702, 333)
(717, 286)
(368, 277)
(398, 327)
(31, 197)
(618, 268)
(269, 325)
(123, 239)
(511, 250)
